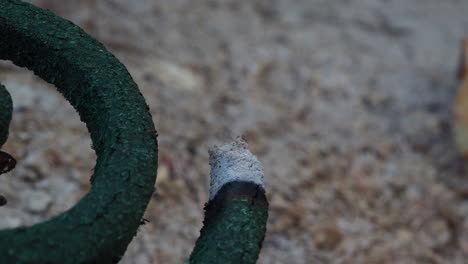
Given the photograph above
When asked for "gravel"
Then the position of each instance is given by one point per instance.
(347, 104)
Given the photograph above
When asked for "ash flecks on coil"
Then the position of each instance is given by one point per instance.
(233, 162)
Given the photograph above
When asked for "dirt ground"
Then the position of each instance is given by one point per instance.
(346, 103)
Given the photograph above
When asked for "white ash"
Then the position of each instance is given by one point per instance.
(233, 162)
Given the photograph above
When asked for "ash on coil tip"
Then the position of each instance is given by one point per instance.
(233, 162)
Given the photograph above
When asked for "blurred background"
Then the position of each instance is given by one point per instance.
(346, 103)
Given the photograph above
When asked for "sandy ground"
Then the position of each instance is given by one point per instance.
(346, 103)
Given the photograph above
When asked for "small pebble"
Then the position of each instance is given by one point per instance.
(37, 201)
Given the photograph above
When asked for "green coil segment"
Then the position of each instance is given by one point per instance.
(234, 226)
(6, 109)
(101, 225)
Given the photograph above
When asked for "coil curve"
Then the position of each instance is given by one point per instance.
(100, 226)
